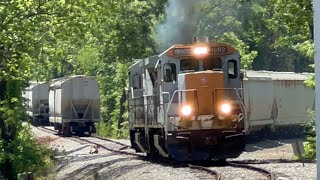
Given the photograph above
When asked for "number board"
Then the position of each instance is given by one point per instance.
(219, 50)
(182, 52)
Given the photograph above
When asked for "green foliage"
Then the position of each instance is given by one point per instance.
(116, 36)
(310, 146)
(311, 82)
(270, 35)
(37, 40)
(110, 102)
(21, 150)
(247, 56)
(27, 155)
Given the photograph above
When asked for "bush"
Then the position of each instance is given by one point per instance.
(29, 156)
(19, 151)
(106, 129)
(310, 130)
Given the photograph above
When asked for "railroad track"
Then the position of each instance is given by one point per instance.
(216, 174)
(265, 172)
(43, 128)
(272, 161)
(90, 140)
(213, 173)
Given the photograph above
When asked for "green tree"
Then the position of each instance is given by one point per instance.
(270, 35)
(36, 36)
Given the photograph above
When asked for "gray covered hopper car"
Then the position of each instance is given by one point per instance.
(37, 102)
(276, 101)
(74, 104)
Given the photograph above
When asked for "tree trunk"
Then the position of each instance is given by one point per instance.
(122, 108)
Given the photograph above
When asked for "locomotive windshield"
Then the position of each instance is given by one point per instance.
(213, 63)
(189, 65)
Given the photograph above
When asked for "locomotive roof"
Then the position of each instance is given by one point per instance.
(149, 61)
(272, 75)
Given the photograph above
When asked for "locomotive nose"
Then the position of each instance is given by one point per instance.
(200, 92)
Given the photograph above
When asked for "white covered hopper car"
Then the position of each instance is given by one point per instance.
(37, 102)
(276, 102)
(74, 104)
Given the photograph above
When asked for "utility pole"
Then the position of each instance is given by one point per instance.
(316, 32)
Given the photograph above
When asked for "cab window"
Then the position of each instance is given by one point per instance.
(169, 72)
(189, 64)
(232, 69)
(214, 63)
(136, 81)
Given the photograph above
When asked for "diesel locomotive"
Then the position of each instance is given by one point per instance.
(187, 103)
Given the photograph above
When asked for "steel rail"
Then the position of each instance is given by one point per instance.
(214, 173)
(210, 171)
(267, 173)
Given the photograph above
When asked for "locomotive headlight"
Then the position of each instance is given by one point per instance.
(186, 110)
(226, 108)
(200, 50)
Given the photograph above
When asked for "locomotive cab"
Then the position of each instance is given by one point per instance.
(189, 103)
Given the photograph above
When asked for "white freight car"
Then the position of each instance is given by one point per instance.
(74, 104)
(37, 102)
(276, 101)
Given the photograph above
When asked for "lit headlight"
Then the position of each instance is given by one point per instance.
(226, 108)
(186, 110)
(200, 50)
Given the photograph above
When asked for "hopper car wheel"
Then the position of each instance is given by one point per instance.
(94, 130)
(66, 131)
(35, 121)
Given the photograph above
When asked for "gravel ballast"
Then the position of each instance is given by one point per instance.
(76, 162)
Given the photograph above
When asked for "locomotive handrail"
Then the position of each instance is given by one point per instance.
(173, 96)
(167, 94)
(237, 95)
(241, 105)
(238, 98)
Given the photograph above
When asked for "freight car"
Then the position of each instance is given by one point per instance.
(276, 103)
(74, 104)
(187, 103)
(37, 102)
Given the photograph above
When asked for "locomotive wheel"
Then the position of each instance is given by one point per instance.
(153, 154)
(80, 133)
(221, 162)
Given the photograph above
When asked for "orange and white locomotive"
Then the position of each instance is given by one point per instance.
(187, 103)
